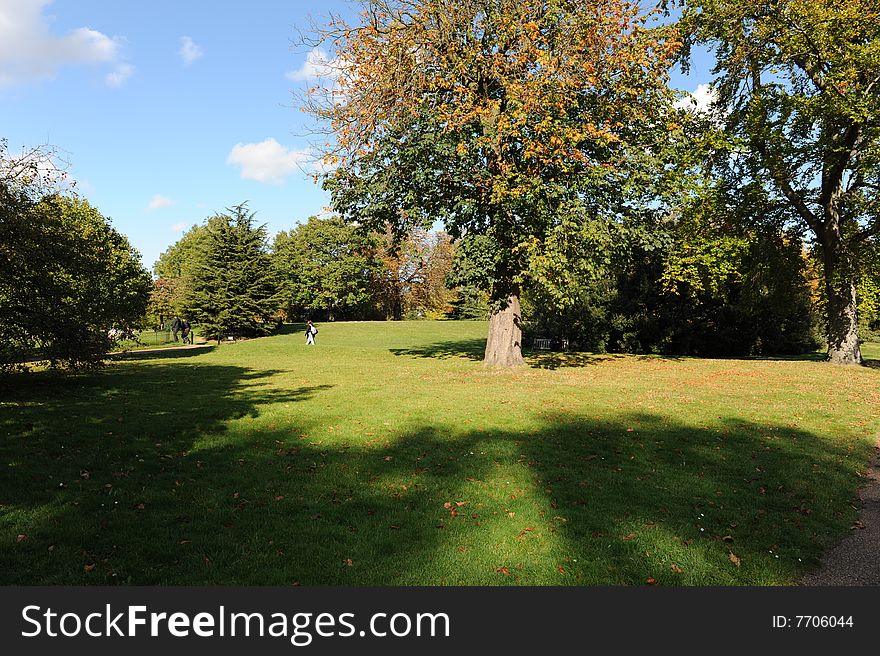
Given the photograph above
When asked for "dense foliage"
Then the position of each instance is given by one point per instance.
(325, 269)
(69, 282)
(232, 291)
(517, 120)
(798, 82)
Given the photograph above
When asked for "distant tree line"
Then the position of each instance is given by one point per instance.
(711, 284)
(227, 276)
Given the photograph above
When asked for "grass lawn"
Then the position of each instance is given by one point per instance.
(388, 455)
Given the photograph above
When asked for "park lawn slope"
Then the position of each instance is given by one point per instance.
(387, 455)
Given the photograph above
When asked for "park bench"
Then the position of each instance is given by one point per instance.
(545, 344)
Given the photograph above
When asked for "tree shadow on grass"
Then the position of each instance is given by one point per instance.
(475, 349)
(470, 349)
(170, 353)
(146, 475)
(291, 329)
(560, 359)
(58, 430)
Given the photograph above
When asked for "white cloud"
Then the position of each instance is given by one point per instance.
(119, 75)
(178, 227)
(29, 52)
(700, 100)
(268, 161)
(190, 51)
(316, 66)
(159, 201)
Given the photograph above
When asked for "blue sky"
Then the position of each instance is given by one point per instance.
(169, 111)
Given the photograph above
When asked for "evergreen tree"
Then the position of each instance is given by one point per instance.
(233, 290)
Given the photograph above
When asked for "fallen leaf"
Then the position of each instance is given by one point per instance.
(727, 538)
(348, 562)
(857, 524)
(561, 570)
(20, 538)
(650, 580)
(279, 497)
(89, 568)
(675, 568)
(629, 536)
(503, 570)
(734, 559)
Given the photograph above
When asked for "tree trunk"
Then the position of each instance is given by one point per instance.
(504, 346)
(843, 324)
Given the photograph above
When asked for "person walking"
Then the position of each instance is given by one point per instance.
(187, 331)
(175, 326)
(311, 331)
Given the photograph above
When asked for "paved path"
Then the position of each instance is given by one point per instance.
(856, 560)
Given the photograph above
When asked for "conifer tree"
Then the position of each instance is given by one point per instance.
(233, 290)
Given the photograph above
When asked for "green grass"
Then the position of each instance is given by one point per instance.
(388, 455)
(871, 352)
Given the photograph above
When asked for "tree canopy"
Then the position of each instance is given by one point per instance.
(67, 277)
(324, 266)
(799, 84)
(511, 119)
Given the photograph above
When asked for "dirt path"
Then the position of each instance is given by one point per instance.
(856, 560)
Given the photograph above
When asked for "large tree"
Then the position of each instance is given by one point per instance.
(513, 119)
(799, 82)
(233, 288)
(66, 278)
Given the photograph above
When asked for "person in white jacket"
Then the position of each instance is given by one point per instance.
(311, 331)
